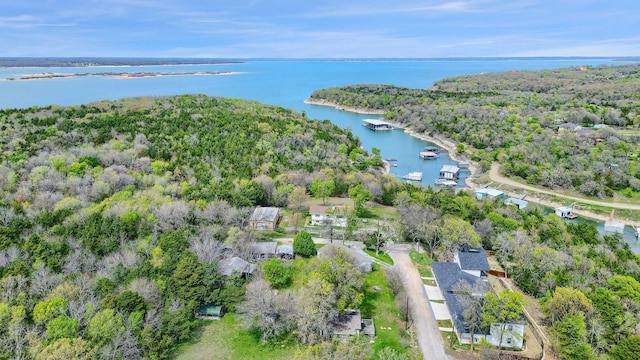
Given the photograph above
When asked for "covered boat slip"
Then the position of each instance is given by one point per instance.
(376, 125)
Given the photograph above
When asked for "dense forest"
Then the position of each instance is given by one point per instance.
(545, 127)
(114, 216)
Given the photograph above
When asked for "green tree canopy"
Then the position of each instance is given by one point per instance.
(303, 244)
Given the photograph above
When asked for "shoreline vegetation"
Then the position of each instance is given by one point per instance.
(449, 146)
(119, 75)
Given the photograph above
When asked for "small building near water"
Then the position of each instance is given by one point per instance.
(449, 172)
(377, 125)
(565, 212)
(521, 204)
(488, 193)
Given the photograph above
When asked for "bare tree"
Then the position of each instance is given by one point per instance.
(268, 310)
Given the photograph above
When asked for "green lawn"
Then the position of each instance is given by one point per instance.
(227, 339)
(422, 262)
(381, 256)
(381, 306)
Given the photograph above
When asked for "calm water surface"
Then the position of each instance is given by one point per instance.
(283, 83)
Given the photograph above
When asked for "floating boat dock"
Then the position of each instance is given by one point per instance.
(613, 226)
(565, 212)
(428, 155)
(376, 125)
(413, 176)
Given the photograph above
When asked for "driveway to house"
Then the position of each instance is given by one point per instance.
(429, 339)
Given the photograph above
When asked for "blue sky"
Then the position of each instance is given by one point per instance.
(319, 29)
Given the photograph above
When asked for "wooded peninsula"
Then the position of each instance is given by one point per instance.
(575, 129)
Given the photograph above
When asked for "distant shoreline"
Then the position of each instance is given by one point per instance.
(119, 75)
(66, 62)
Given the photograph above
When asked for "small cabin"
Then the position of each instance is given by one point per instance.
(209, 312)
(376, 125)
(449, 172)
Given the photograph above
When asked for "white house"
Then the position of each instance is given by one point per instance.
(320, 215)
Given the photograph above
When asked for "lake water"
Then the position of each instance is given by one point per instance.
(279, 82)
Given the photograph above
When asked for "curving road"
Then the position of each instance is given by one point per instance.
(429, 339)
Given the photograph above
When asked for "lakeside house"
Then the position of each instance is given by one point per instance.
(470, 266)
(376, 125)
(264, 218)
(323, 215)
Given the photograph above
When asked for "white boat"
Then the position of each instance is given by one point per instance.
(638, 233)
(413, 176)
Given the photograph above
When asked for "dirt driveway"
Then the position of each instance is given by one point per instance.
(429, 338)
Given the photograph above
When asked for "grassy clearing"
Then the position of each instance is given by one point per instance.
(381, 306)
(226, 339)
(382, 256)
(445, 323)
(422, 262)
(429, 282)
(451, 341)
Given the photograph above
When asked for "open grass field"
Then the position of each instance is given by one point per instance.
(226, 339)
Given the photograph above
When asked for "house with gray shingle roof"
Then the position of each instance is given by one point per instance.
(472, 261)
(264, 218)
(470, 267)
(228, 266)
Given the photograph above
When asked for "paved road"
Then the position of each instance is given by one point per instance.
(429, 339)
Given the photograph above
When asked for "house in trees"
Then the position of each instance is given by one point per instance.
(264, 218)
(360, 260)
(473, 261)
(469, 270)
(351, 324)
(270, 249)
(230, 265)
(321, 215)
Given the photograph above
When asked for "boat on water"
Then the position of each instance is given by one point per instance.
(434, 149)
(638, 233)
(376, 125)
(391, 159)
(413, 176)
(463, 165)
(428, 155)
